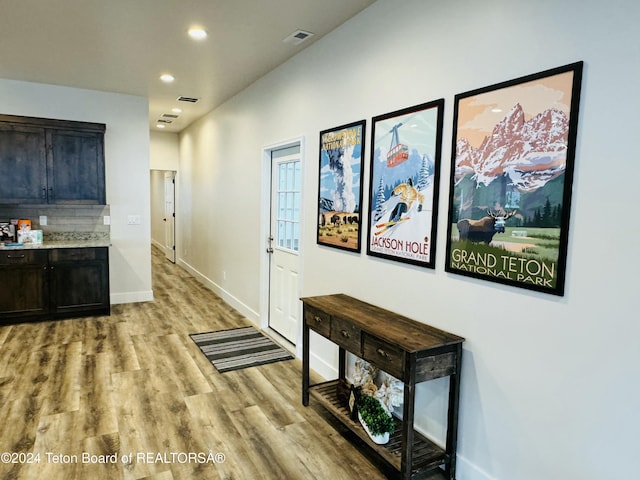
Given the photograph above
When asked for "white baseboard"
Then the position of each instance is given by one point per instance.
(244, 309)
(321, 367)
(131, 297)
(466, 470)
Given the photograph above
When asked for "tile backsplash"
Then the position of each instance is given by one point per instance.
(85, 221)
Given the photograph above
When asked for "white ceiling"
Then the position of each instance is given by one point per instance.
(124, 46)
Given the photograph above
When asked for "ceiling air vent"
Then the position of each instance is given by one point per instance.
(297, 37)
(187, 99)
(169, 115)
(164, 121)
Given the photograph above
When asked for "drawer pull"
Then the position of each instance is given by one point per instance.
(15, 256)
(383, 354)
(345, 334)
(317, 319)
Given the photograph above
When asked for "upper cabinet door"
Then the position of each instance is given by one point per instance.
(23, 173)
(75, 167)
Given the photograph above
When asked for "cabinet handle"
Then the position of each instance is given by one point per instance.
(317, 319)
(383, 354)
(15, 256)
(51, 197)
(44, 193)
(345, 334)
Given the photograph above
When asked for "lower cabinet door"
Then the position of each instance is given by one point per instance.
(24, 291)
(79, 286)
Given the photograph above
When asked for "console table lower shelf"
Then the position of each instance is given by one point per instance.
(426, 454)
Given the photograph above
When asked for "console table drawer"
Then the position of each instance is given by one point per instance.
(386, 356)
(346, 334)
(317, 321)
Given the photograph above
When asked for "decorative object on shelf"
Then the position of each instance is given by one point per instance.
(375, 419)
(512, 168)
(340, 186)
(404, 184)
(364, 375)
(391, 393)
(352, 404)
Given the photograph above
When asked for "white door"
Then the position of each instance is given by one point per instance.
(284, 303)
(170, 216)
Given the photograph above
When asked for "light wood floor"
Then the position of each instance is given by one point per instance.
(134, 383)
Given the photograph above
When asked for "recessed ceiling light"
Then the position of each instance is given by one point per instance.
(197, 33)
(167, 78)
(496, 110)
(176, 110)
(160, 126)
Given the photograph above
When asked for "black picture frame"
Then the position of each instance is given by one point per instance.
(512, 164)
(404, 184)
(341, 161)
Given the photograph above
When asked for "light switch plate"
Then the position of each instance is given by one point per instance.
(43, 220)
(106, 220)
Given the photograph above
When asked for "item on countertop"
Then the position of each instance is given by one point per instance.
(24, 224)
(32, 237)
(7, 232)
(14, 222)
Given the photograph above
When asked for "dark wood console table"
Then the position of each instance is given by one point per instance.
(410, 351)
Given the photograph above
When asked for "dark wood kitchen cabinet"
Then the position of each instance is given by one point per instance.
(51, 161)
(56, 283)
(25, 284)
(79, 281)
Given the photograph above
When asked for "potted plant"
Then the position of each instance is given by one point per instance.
(376, 420)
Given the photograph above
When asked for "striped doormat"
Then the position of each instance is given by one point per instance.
(239, 348)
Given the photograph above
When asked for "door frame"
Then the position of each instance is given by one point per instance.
(167, 253)
(265, 228)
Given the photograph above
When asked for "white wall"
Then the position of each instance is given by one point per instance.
(550, 385)
(126, 165)
(164, 151)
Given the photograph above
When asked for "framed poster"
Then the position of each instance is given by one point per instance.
(403, 188)
(340, 189)
(512, 170)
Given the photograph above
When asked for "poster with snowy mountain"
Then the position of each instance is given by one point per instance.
(403, 188)
(339, 189)
(512, 169)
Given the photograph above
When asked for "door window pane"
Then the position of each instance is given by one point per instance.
(288, 208)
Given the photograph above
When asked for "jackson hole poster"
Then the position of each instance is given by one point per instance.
(340, 189)
(404, 180)
(512, 169)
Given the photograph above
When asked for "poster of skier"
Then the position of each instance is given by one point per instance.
(512, 170)
(339, 189)
(403, 188)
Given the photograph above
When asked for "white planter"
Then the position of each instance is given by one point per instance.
(379, 439)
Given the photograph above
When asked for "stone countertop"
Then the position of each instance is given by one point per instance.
(60, 244)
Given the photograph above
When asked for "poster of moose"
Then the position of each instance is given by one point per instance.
(403, 188)
(340, 189)
(512, 169)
